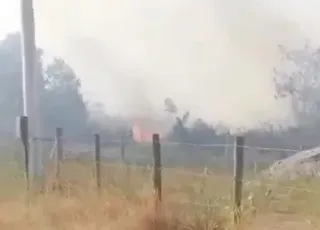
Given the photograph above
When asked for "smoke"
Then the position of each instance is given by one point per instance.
(213, 58)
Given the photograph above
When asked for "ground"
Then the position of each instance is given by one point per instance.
(193, 199)
(281, 222)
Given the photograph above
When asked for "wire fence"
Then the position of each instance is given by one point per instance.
(202, 175)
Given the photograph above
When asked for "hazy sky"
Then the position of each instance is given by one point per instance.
(213, 57)
(9, 16)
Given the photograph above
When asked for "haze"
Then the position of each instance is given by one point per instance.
(213, 58)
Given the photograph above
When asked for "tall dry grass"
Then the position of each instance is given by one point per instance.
(191, 200)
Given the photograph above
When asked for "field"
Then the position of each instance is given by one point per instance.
(193, 198)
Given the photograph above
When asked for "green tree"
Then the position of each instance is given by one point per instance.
(61, 102)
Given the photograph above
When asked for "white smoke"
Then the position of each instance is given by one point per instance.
(212, 57)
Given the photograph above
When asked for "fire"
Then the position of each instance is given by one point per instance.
(143, 133)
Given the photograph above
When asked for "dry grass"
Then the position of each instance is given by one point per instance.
(191, 201)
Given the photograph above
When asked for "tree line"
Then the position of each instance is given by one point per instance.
(62, 103)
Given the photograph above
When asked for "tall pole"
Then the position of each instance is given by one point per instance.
(30, 89)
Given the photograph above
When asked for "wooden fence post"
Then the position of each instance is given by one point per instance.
(157, 183)
(98, 160)
(238, 176)
(255, 168)
(24, 135)
(59, 142)
(122, 153)
(122, 148)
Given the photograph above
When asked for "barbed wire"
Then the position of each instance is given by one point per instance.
(204, 174)
(231, 145)
(270, 149)
(207, 175)
(105, 143)
(245, 147)
(164, 169)
(196, 145)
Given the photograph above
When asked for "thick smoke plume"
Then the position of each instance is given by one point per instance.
(212, 57)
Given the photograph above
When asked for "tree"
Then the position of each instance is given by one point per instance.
(11, 85)
(197, 132)
(179, 131)
(302, 83)
(61, 102)
(170, 106)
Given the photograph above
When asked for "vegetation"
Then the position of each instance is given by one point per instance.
(192, 199)
(62, 98)
(60, 92)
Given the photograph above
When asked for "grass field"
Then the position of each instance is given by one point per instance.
(191, 200)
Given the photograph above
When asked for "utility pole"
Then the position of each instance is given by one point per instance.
(30, 90)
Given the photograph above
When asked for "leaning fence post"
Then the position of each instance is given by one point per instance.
(238, 176)
(59, 142)
(24, 135)
(157, 183)
(98, 160)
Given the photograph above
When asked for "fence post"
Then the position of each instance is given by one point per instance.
(226, 150)
(98, 160)
(24, 135)
(238, 176)
(122, 148)
(255, 168)
(157, 183)
(59, 142)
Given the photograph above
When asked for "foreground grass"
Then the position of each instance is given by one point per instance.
(192, 199)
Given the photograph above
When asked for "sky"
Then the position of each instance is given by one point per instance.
(212, 57)
(9, 16)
